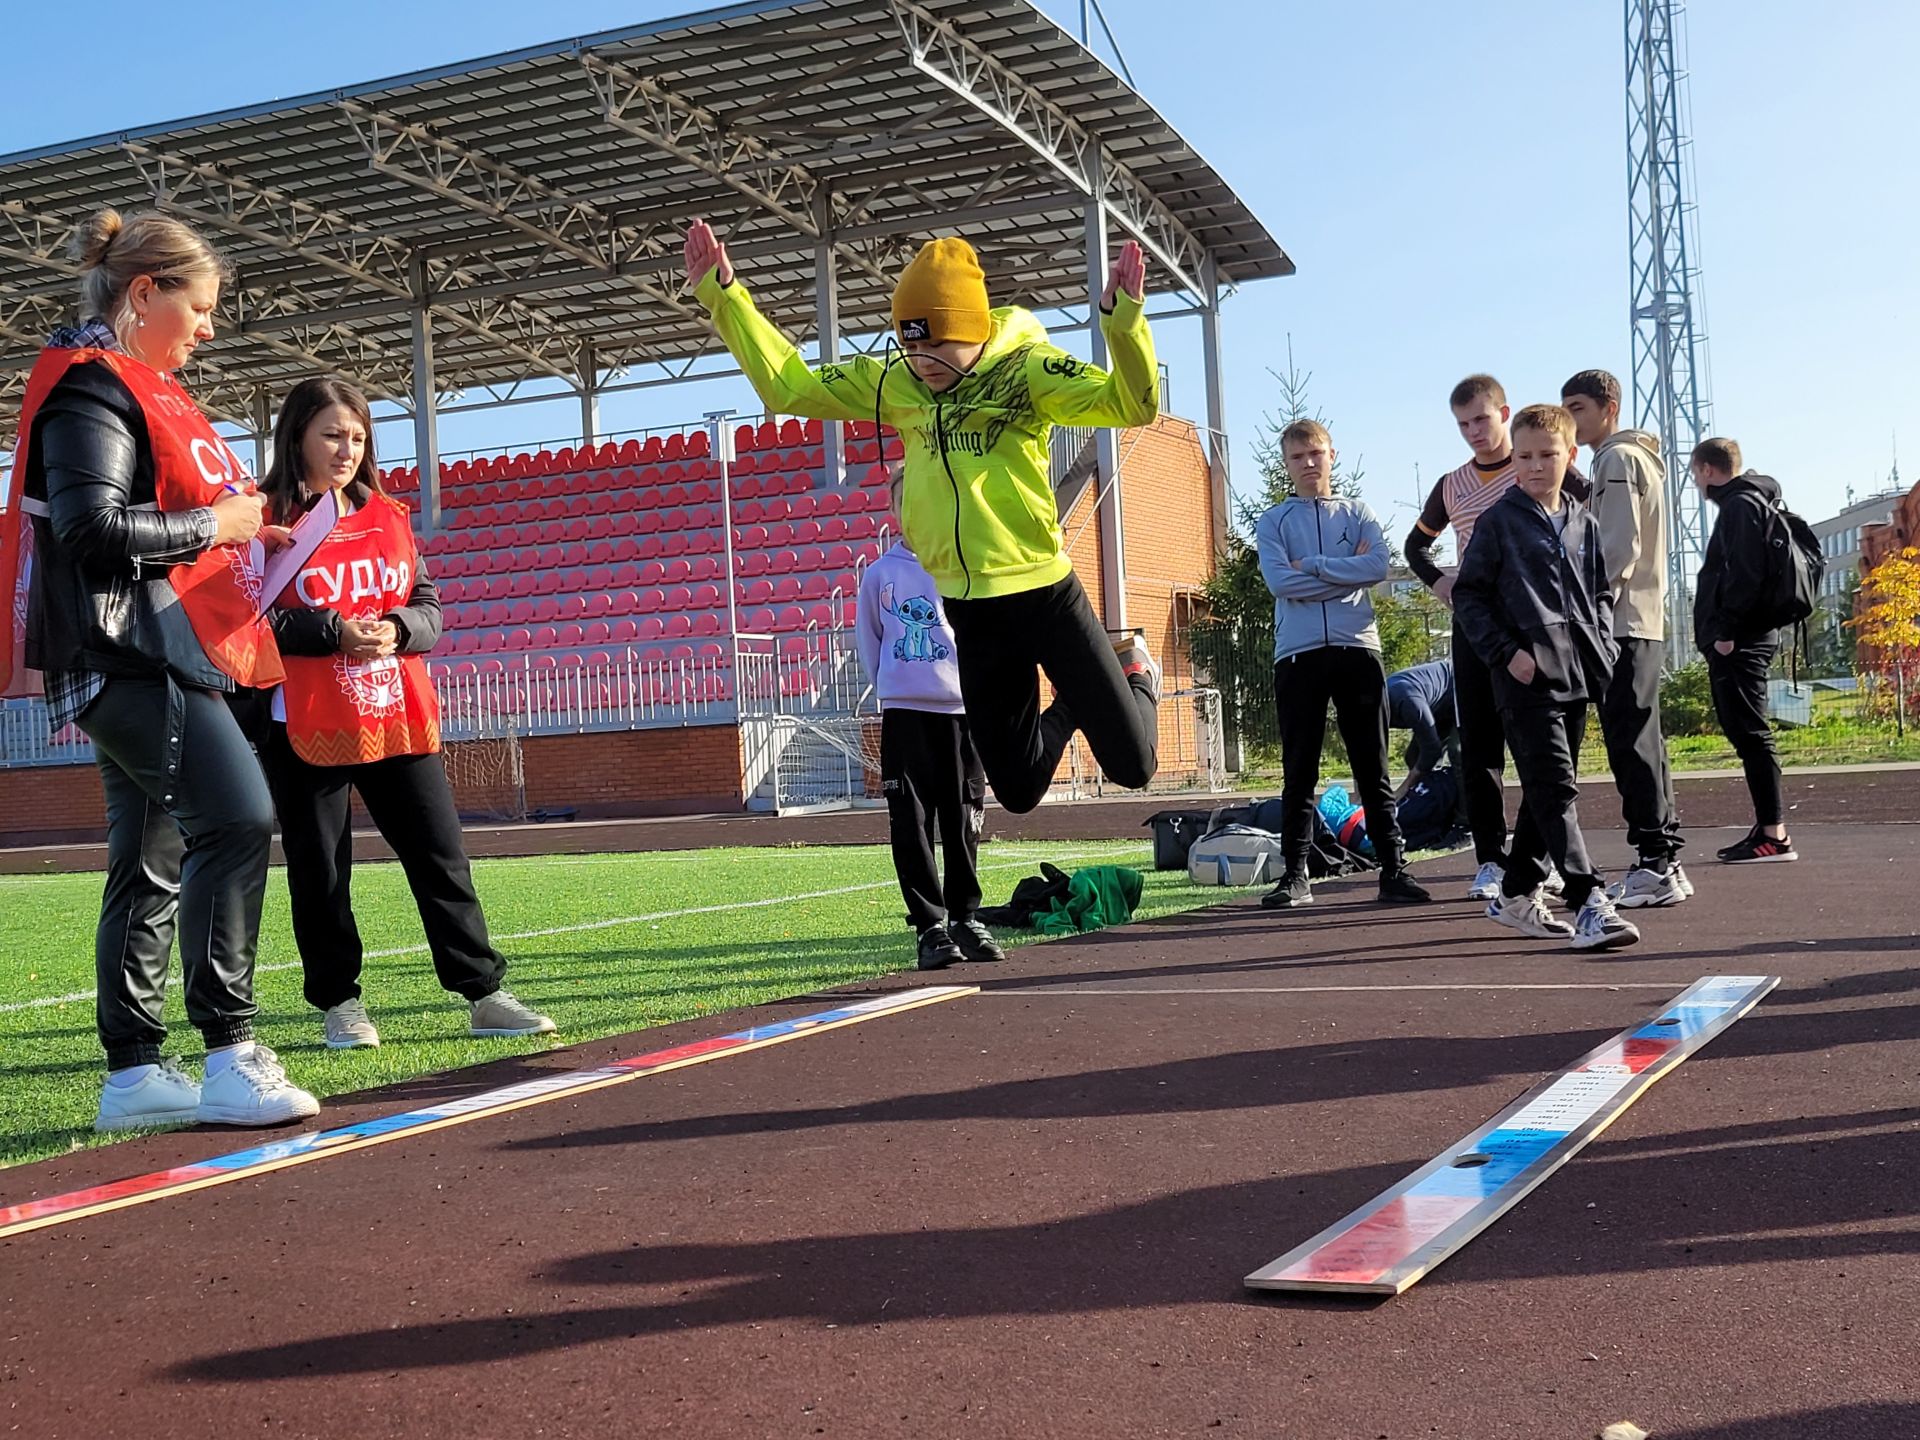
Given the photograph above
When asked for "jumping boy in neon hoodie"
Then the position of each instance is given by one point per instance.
(975, 403)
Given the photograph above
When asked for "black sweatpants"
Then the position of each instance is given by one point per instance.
(411, 803)
(1004, 643)
(1637, 751)
(932, 779)
(1739, 684)
(1546, 749)
(1352, 679)
(1483, 750)
(188, 828)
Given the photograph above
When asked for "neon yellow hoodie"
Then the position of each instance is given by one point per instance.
(977, 501)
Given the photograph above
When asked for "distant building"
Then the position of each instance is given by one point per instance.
(1840, 542)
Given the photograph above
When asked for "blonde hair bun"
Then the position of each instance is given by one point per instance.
(93, 235)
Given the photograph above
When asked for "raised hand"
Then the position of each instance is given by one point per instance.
(1129, 274)
(705, 252)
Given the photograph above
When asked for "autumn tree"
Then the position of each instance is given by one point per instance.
(1887, 622)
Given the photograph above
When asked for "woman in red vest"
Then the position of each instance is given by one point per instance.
(142, 577)
(358, 712)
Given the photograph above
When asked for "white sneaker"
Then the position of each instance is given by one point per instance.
(1644, 887)
(348, 1027)
(166, 1097)
(500, 1016)
(1528, 915)
(254, 1090)
(1136, 659)
(1680, 879)
(1599, 926)
(1486, 882)
(1555, 884)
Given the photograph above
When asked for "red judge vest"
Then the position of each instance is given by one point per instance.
(192, 467)
(353, 712)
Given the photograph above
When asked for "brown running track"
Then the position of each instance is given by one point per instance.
(1026, 1213)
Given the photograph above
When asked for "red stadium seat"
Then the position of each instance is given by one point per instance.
(598, 606)
(678, 627)
(650, 572)
(679, 572)
(838, 557)
(814, 587)
(789, 617)
(546, 609)
(752, 563)
(567, 635)
(834, 528)
(597, 632)
(786, 589)
(861, 527)
(625, 630)
(651, 628)
(783, 562)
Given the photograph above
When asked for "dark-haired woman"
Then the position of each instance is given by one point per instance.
(358, 712)
(143, 618)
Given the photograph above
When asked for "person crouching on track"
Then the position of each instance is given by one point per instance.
(358, 712)
(142, 618)
(1533, 599)
(1320, 554)
(975, 404)
(929, 770)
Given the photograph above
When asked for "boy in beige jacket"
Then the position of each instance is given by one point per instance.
(1628, 504)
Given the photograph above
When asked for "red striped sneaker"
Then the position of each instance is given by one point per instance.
(1137, 660)
(1760, 849)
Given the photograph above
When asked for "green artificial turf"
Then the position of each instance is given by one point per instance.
(638, 940)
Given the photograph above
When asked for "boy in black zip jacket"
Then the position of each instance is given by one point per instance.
(1739, 647)
(1533, 600)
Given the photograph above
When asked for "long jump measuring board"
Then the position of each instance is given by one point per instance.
(1402, 1233)
(319, 1144)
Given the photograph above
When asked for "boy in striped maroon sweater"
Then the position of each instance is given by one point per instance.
(1459, 498)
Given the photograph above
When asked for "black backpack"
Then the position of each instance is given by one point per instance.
(1795, 567)
(1427, 811)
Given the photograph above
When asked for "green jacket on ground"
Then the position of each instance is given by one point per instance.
(1099, 895)
(977, 503)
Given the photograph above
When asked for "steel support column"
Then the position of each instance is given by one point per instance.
(1106, 479)
(426, 429)
(826, 282)
(589, 396)
(1219, 454)
(262, 434)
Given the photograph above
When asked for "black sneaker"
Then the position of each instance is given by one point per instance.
(976, 942)
(1759, 849)
(1293, 891)
(1745, 840)
(937, 950)
(1397, 887)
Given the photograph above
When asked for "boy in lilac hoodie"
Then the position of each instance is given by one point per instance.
(929, 771)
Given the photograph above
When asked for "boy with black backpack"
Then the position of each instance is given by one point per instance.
(1761, 572)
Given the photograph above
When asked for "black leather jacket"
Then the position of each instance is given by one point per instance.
(99, 598)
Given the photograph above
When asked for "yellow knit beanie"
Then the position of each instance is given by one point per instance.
(942, 295)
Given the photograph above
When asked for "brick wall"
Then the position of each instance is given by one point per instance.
(685, 771)
(1168, 524)
(51, 805)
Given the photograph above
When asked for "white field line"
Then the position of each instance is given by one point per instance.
(658, 915)
(1312, 989)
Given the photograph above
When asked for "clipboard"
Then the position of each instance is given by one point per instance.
(305, 538)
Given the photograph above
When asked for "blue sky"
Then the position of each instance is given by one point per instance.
(1451, 181)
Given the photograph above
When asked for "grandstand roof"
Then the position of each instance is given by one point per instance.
(537, 198)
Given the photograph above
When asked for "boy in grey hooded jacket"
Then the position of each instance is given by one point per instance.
(1320, 555)
(1628, 505)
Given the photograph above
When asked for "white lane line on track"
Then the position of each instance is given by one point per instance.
(992, 989)
(658, 915)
